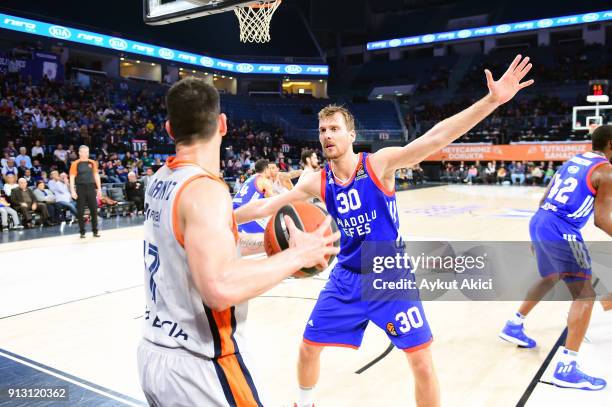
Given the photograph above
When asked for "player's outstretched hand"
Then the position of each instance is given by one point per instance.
(510, 83)
(314, 248)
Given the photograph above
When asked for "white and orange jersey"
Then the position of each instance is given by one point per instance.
(176, 316)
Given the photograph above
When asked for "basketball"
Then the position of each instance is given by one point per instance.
(307, 217)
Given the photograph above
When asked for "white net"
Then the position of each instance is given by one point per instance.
(255, 20)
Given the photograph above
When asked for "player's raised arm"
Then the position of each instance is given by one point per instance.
(603, 199)
(450, 129)
(223, 279)
(308, 187)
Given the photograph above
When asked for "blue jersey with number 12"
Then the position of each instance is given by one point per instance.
(363, 210)
(572, 197)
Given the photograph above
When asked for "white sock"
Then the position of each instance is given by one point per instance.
(568, 356)
(306, 397)
(517, 319)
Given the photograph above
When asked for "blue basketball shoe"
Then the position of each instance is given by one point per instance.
(514, 333)
(570, 376)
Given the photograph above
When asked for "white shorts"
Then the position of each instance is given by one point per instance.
(177, 377)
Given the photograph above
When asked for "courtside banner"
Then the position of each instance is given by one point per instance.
(510, 152)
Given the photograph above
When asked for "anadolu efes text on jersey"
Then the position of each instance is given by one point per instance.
(363, 210)
(571, 196)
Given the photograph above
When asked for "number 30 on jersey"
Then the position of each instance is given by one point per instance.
(348, 202)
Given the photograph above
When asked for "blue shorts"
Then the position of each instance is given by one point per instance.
(559, 248)
(340, 316)
(255, 226)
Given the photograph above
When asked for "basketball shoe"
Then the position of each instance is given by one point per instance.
(515, 333)
(570, 376)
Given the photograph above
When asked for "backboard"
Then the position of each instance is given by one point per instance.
(159, 12)
(585, 116)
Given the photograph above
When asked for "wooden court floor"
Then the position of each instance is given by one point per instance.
(84, 321)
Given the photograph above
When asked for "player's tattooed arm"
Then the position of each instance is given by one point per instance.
(251, 243)
(602, 180)
(387, 160)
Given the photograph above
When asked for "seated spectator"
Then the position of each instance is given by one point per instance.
(5, 159)
(29, 178)
(36, 169)
(60, 157)
(536, 175)
(122, 172)
(5, 212)
(24, 201)
(111, 173)
(10, 185)
(134, 190)
(490, 173)
(417, 174)
(472, 174)
(10, 148)
(23, 157)
(38, 151)
(62, 194)
(9, 169)
(146, 180)
(448, 173)
(518, 174)
(147, 160)
(21, 170)
(503, 175)
(550, 172)
(47, 197)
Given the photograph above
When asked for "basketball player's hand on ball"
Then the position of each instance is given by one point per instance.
(510, 83)
(315, 247)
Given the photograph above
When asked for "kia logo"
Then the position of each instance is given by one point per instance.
(293, 69)
(166, 53)
(206, 61)
(464, 33)
(118, 43)
(60, 32)
(429, 38)
(245, 68)
(395, 43)
(504, 28)
(547, 22)
(590, 17)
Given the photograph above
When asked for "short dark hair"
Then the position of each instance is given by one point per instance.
(306, 154)
(601, 137)
(193, 110)
(261, 165)
(40, 182)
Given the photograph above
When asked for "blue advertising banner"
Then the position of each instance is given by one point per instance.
(35, 27)
(491, 30)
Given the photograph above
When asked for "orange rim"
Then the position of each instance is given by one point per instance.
(265, 5)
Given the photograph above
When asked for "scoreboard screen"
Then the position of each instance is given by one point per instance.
(598, 87)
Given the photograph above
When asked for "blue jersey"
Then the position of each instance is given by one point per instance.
(249, 192)
(572, 197)
(363, 210)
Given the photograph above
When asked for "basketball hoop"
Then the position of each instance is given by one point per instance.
(255, 20)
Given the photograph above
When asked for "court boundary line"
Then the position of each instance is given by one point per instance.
(70, 302)
(103, 391)
(536, 379)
